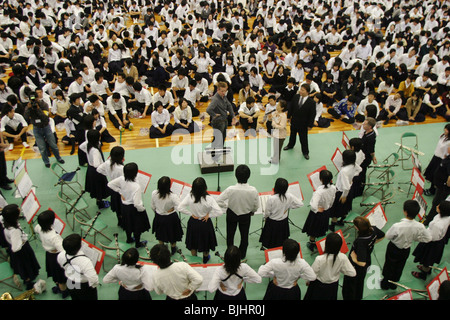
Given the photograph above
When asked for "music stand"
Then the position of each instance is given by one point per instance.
(217, 156)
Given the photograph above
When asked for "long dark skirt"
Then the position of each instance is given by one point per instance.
(200, 235)
(274, 233)
(316, 224)
(24, 262)
(53, 268)
(429, 253)
(125, 294)
(96, 184)
(431, 168)
(116, 205)
(322, 291)
(274, 292)
(221, 296)
(167, 228)
(133, 220)
(340, 210)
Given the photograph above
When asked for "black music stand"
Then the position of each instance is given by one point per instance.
(217, 156)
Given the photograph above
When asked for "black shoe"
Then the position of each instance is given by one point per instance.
(61, 161)
(428, 192)
(141, 244)
(306, 156)
(47, 165)
(287, 148)
(311, 246)
(6, 187)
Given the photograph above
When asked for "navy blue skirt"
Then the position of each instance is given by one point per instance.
(322, 291)
(274, 292)
(53, 268)
(222, 296)
(429, 253)
(200, 235)
(167, 228)
(133, 220)
(274, 233)
(316, 224)
(96, 184)
(24, 262)
(125, 294)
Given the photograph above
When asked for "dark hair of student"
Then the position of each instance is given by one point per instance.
(280, 188)
(348, 157)
(363, 225)
(116, 155)
(444, 208)
(130, 258)
(356, 143)
(447, 126)
(444, 290)
(160, 255)
(333, 244)
(130, 171)
(199, 189)
(10, 215)
(45, 219)
(72, 244)
(291, 249)
(164, 187)
(232, 259)
(326, 177)
(412, 208)
(93, 139)
(242, 173)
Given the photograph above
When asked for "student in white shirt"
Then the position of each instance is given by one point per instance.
(183, 118)
(161, 126)
(13, 126)
(135, 280)
(402, 235)
(248, 115)
(276, 214)
(201, 207)
(166, 224)
(328, 268)
(134, 215)
(177, 280)
(112, 168)
(52, 244)
(79, 270)
(117, 111)
(228, 281)
(241, 202)
(316, 224)
(286, 272)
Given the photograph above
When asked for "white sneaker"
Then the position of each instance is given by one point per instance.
(11, 146)
(26, 145)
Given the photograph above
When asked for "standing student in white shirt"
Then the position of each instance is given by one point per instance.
(177, 280)
(316, 224)
(285, 273)
(200, 206)
(228, 280)
(112, 168)
(95, 183)
(328, 268)
(241, 201)
(134, 279)
(134, 215)
(166, 224)
(82, 279)
(276, 214)
(52, 244)
(401, 235)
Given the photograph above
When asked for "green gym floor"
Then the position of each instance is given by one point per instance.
(180, 163)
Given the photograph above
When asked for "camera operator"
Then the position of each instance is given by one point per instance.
(36, 113)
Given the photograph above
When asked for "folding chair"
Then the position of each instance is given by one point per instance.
(379, 186)
(92, 227)
(409, 143)
(67, 179)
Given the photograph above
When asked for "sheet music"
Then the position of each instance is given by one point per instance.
(94, 254)
(143, 181)
(433, 288)
(295, 190)
(19, 165)
(404, 295)
(443, 276)
(315, 180)
(274, 254)
(185, 192)
(377, 217)
(25, 185)
(3, 202)
(207, 273)
(337, 159)
(262, 203)
(417, 179)
(30, 206)
(58, 226)
(422, 203)
(345, 140)
(176, 187)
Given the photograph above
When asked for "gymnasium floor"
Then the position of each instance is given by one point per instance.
(179, 162)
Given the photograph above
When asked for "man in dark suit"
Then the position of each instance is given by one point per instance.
(301, 112)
